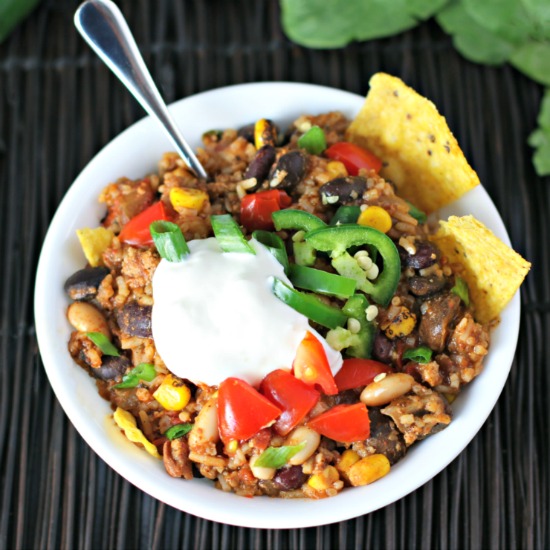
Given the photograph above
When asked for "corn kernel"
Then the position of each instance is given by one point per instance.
(368, 469)
(186, 197)
(376, 217)
(172, 394)
(232, 446)
(264, 133)
(325, 479)
(94, 242)
(336, 169)
(347, 460)
(401, 325)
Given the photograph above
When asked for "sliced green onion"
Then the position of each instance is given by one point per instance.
(229, 234)
(277, 457)
(309, 305)
(103, 343)
(313, 141)
(290, 218)
(423, 354)
(461, 290)
(416, 213)
(274, 244)
(179, 430)
(321, 282)
(169, 241)
(346, 214)
(144, 371)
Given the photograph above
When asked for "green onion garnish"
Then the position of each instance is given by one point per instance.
(274, 244)
(229, 234)
(309, 305)
(321, 282)
(144, 371)
(346, 214)
(169, 241)
(103, 343)
(416, 213)
(276, 457)
(423, 354)
(313, 141)
(179, 430)
(461, 290)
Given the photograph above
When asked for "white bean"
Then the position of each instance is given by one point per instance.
(85, 317)
(205, 430)
(387, 389)
(299, 435)
(261, 472)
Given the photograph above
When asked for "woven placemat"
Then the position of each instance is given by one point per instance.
(59, 106)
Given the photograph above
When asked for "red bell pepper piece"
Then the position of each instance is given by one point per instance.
(292, 396)
(136, 231)
(346, 423)
(256, 209)
(353, 157)
(359, 372)
(311, 365)
(242, 411)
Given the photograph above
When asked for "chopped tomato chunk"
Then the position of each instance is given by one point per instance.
(353, 157)
(359, 372)
(346, 423)
(137, 232)
(242, 411)
(256, 209)
(292, 396)
(312, 367)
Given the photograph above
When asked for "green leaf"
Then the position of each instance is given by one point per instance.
(471, 39)
(276, 457)
(422, 354)
(423, 9)
(103, 343)
(541, 158)
(506, 19)
(539, 12)
(533, 59)
(335, 23)
(144, 371)
(179, 430)
(461, 290)
(544, 114)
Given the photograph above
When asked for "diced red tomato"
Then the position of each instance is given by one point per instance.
(242, 411)
(353, 157)
(346, 423)
(292, 396)
(359, 372)
(136, 231)
(312, 367)
(256, 209)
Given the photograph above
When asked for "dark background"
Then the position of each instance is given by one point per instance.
(59, 105)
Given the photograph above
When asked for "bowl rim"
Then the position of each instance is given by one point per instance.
(203, 500)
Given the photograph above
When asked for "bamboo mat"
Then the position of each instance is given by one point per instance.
(59, 106)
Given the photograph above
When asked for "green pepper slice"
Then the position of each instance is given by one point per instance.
(355, 307)
(308, 305)
(337, 240)
(274, 244)
(345, 215)
(321, 282)
(296, 219)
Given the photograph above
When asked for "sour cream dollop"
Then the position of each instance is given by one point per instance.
(215, 316)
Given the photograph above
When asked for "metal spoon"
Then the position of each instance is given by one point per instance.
(103, 26)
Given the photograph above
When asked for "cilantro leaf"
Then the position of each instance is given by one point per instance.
(179, 430)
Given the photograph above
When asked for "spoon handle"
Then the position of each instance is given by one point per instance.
(103, 26)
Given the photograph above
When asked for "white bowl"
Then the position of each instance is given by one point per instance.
(134, 154)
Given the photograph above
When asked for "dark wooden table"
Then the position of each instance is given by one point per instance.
(59, 106)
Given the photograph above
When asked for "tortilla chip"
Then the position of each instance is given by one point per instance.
(492, 270)
(420, 154)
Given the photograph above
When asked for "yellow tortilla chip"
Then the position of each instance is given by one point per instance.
(127, 423)
(492, 269)
(420, 154)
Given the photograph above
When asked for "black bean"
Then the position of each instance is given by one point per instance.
(135, 320)
(426, 286)
(425, 256)
(289, 478)
(294, 164)
(382, 348)
(111, 367)
(343, 190)
(260, 165)
(83, 284)
(247, 132)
